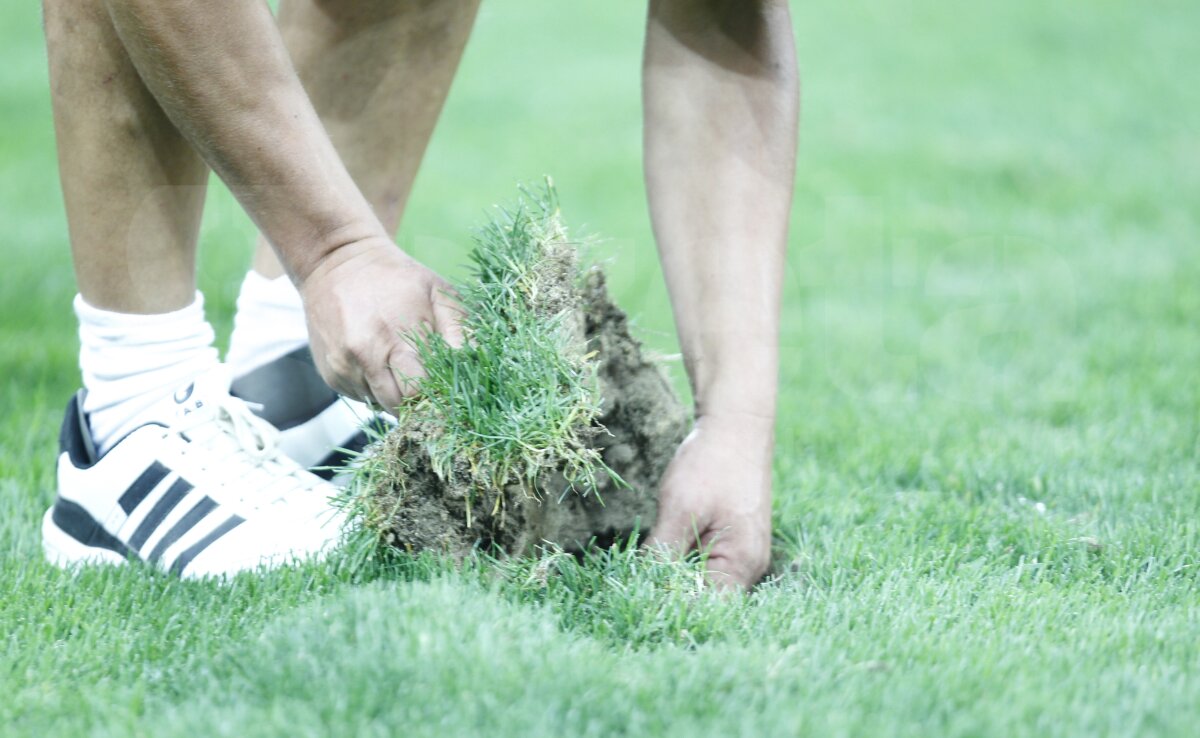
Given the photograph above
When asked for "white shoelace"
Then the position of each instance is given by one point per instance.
(244, 457)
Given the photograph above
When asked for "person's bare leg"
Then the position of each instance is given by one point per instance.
(377, 72)
(134, 191)
(134, 188)
(721, 106)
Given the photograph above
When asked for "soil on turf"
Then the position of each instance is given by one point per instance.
(642, 423)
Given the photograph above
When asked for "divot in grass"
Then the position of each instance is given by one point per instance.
(550, 426)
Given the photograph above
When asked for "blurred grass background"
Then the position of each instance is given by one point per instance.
(986, 479)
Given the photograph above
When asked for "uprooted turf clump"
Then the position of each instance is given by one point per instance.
(549, 425)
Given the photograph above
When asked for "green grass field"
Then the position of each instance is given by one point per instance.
(987, 489)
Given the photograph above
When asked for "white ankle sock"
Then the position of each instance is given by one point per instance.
(269, 323)
(131, 362)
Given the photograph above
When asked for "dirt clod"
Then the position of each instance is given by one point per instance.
(642, 422)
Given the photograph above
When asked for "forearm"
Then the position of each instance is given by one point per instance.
(721, 106)
(220, 71)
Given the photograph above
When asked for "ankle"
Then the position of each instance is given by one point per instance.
(131, 362)
(269, 323)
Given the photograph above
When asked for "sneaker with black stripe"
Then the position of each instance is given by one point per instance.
(318, 428)
(204, 492)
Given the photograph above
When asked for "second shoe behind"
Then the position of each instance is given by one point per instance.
(318, 428)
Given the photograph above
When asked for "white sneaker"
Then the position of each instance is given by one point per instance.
(318, 428)
(205, 492)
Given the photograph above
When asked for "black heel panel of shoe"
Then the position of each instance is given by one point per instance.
(289, 390)
(80, 525)
(75, 438)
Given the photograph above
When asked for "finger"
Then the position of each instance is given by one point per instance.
(448, 317)
(383, 390)
(390, 383)
(346, 381)
(733, 566)
(728, 573)
(406, 369)
(676, 533)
